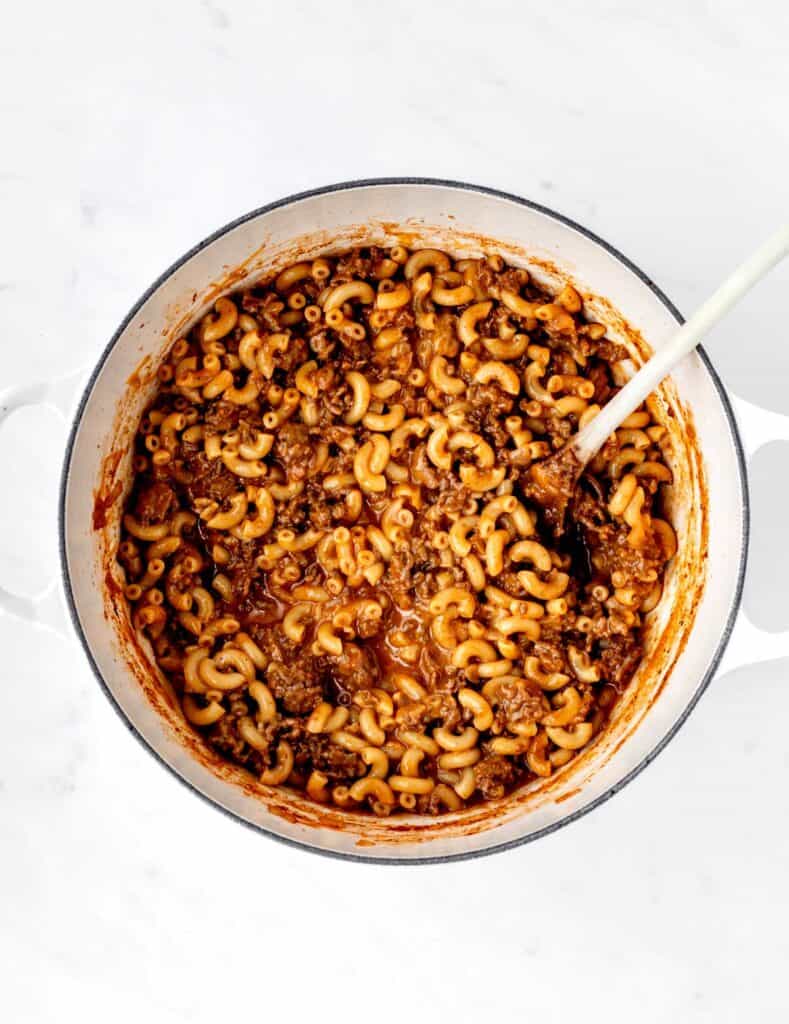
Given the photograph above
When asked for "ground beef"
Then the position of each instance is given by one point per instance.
(297, 684)
(322, 342)
(354, 264)
(266, 307)
(561, 332)
(294, 514)
(612, 553)
(619, 658)
(319, 511)
(588, 510)
(354, 669)
(563, 363)
(242, 572)
(294, 355)
(442, 708)
(422, 470)
(402, 318)
(262, 624)
(601, 378)
(550, 656)
(610, 351)
(509, 581)
(155, 502)
(411, 716)
(451, 502)
(210, 478)
(519, 703)
(321, 753)
(494, 775)
(398, 577)
(607, 542)
(225, 737)
(489, 406)
(437, 709)
(293, 450)
(509, 278)
(221, 417)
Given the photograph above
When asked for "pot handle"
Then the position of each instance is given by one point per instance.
(46, 608)
(749, 645)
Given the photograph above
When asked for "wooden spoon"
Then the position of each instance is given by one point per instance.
(554, 479)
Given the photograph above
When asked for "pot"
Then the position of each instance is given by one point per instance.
(687, 633)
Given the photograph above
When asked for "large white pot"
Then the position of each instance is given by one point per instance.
(688, 633)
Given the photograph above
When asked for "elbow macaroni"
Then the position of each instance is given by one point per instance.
(333, 550)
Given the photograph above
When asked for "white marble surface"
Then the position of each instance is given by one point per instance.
(132, 131)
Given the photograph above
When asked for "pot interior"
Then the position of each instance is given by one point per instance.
(685, 633)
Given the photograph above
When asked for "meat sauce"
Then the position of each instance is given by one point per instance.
(338, 541)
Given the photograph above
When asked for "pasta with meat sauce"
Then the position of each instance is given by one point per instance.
(333, 543)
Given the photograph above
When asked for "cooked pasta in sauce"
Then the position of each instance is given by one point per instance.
(336, 548)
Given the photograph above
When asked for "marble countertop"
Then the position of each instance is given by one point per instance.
(133, 131)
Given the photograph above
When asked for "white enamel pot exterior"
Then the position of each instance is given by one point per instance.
(710, 504)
